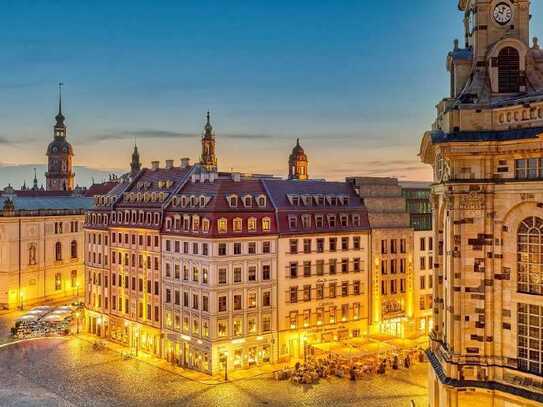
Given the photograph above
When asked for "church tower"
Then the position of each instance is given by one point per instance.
(486, 150)
(297, 163)
(135, 164)
(208, 160)
(59, 175)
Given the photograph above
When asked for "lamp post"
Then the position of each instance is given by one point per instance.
(225, 366)
(77, 314)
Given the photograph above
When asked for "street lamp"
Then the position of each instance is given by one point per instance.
(225, 359)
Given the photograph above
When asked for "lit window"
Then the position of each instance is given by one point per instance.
(222, 225)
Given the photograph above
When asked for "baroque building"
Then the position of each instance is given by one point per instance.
(486, 150)
(203, 267)
(297, 163)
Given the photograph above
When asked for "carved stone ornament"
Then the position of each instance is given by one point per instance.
(472, 200)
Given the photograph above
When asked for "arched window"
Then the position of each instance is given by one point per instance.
(73, 249)
(530, 250)
(508, 70)
(58, 251)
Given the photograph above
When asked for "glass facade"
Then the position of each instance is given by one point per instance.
(419, 207)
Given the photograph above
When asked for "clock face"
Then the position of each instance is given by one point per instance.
(503, 13)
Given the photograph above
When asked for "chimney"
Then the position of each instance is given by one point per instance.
(236, 176)
(185, 162)
(155, 165)
(169, 164)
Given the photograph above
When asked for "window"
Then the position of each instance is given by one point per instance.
(320, 291)
(237, 225)
(383, 247)
(222, 249)
(222, 276)
(307, 269)
(332, 266)
(320, 267)
(307, 292)
(58, 251)
(529, 168)
(251, 273)
(356, 242)
(530, 338)
(266, 247)
(422, 282)
(222, 329)
(266, 299)
(293, 295)
(205, 303)
(266, 224)
(266, 323)
(344, 243)
(222, 225)
(333, 244)
(356, 287)
(237, 274)
(237, 248)
(251, 248)
(73, 249)
(293, 244)
(332, 290)
(344, 265)
(266, 272)
(422, 244)
(320, 245)
(356, 264)
(236, 328)
(344, 288)
(422, 263)
(508, 70)
(292, 222)
(251, 299)
(251, 224)
(237, 302)
(307, 246)
(222, 303)
(293, 269)
(403, 245)
(58, 281)
(529, 252)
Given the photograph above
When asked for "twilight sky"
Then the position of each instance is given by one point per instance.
(356, 80)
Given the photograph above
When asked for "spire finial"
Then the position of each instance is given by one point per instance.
(298, 141)
(60, 84)
(35, 183)
(208, 127)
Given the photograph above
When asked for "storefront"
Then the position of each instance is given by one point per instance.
(293, 343)
(191, 353)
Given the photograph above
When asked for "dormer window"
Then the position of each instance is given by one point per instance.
(202, 201)
(205, 225)
(295, 200)
(261, 201)
(157, 218)
(168, 224)
(193, 201)
(344, 220)
(148, 218)
(319, 221)
(332, 221)
(237, 225)
(356, 220)
(222, 225)
(184, 201)
(186, 223)
(195, 223)
(177, 223)
(248, 201)
(114, 217)
(233, 201)
(266, 224)
(292, 222)
(306, 221)
(251, 224)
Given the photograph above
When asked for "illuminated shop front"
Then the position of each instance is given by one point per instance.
(294, 342)
(213, 358)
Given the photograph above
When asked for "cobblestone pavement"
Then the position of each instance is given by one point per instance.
(67, 372)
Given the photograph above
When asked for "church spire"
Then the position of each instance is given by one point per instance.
(60, 117)
(135, 164)
(208, 160)
(35, 183)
